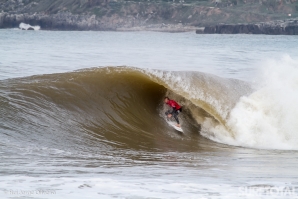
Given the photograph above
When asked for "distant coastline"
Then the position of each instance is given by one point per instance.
(79, 23)
(202, 17)
(280, 27)
(67, 21)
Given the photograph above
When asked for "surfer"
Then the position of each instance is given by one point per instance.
(176, 109)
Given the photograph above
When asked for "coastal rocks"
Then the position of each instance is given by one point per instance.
(59, 21)
(65, 21)
(200, 30)
(68, 21)
(233, 29)
(291, 30)
(286, 27)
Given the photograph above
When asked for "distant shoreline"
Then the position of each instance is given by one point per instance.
(69, 22)
(171, 28)
(219, 17)
(279, 27)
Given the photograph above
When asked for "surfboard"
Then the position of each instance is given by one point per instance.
(173, 124)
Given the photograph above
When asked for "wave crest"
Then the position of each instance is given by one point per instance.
(116, 105)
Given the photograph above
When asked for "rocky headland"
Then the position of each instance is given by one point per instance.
(279, 27)
(205, 16)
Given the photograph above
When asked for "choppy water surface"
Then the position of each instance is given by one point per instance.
(75, 124)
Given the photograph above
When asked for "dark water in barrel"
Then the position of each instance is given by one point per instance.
(82, 115)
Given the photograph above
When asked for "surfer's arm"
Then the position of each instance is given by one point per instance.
(169, 113)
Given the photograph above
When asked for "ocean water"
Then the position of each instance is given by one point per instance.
(82, 115)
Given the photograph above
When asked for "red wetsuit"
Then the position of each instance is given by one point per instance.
(173, 104)
(175, 111)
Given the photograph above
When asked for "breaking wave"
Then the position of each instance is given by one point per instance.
(25, 26)
(123, 107)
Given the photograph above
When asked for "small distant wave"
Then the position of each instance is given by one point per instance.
(25, 26)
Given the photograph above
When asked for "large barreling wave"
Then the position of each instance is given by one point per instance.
(123, 107)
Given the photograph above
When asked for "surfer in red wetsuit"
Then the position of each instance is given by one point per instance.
(176, 109)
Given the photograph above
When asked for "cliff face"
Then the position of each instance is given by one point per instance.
(138, 14)
(61, 21)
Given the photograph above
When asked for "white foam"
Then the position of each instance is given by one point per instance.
(27, 26)
(108, 187)
(268, 117)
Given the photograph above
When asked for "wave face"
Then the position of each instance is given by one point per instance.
(123, 107)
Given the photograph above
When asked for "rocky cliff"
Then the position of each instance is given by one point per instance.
(280, 27)
(161, 15)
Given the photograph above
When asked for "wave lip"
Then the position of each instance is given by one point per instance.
(123, 106)
(119, 106)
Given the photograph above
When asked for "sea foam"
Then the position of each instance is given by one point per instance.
(27, 26)
(267, 118)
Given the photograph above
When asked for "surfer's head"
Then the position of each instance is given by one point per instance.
(166, 99)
